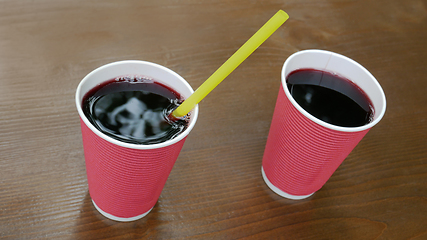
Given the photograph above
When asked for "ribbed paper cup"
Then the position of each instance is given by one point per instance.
(302, 152)
(125, 180)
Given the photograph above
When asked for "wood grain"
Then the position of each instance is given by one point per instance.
(215, 190)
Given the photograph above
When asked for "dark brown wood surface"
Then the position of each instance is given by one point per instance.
(215, 190)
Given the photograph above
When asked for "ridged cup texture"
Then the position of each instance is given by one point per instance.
(126, 182)
(301, 155)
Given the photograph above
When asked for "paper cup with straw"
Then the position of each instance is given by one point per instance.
(125, 179)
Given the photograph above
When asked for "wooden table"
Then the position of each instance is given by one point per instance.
(215, 190)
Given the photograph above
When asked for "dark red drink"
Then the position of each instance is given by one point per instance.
(134, 110)
(330, 98)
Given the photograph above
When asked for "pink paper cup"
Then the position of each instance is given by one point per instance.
(302, 152)
(125, 180)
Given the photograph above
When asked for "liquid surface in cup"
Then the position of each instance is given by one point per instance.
(330, 98)
(134, 110)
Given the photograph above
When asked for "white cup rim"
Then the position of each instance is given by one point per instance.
(79, 96)
(382, 100)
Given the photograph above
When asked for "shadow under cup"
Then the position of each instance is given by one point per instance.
(302, 152)
(125, 180)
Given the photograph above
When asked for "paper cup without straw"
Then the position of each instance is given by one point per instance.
(302, 152)
(125, 180)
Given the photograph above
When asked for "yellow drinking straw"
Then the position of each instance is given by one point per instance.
(232, 63)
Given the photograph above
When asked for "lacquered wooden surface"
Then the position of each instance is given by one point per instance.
(215, 190)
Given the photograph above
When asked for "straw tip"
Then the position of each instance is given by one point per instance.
(283, 14)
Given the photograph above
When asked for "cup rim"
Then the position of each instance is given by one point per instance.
(79, 95)
(320, 122)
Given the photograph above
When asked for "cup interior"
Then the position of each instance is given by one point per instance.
(135, 68)
(343, 66)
